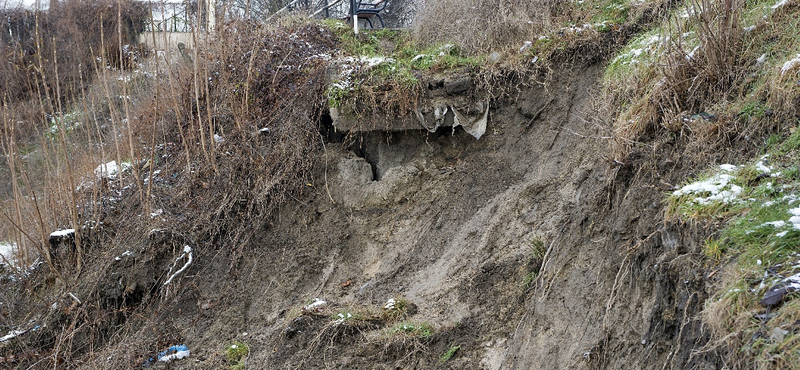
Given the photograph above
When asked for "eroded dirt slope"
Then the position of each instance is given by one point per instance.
(459, 228)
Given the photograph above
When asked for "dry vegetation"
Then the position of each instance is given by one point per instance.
(212, 141)
(701, 73)
(711, 77)
(480, 26)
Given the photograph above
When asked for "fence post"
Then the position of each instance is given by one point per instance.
(354, 14)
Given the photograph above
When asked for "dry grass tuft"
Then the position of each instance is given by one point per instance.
(481, 26)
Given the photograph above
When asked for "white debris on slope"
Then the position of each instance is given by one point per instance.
(778, 292)
(790, 64)
(187, 250)
(317, 306)
(718, 187)
(389, 304)
(12, 334)
(761, 60)
(7, 253)
(62, 233)
(111, 170)
(779, 4)
(126, 254)
(349, 65)
(174, 353)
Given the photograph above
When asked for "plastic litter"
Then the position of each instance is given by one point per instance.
(176, 352)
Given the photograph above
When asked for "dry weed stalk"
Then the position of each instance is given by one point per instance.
(479, 26)
(689, 76)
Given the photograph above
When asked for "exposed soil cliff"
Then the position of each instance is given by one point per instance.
(527, 248)
(530, 247)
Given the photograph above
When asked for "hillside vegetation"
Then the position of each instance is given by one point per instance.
(635, 185)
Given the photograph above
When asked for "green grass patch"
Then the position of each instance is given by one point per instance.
(388, 58)
(236, 355)
(417, 330)
(760, 243)
(447, 355)
(395, 309)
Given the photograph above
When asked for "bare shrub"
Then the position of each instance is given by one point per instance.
(73, 31)
(478, 26)
(242, 121)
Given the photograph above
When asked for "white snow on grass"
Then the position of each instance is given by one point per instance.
(793, 223)
(643, 47)
(762, 166)
(316, 306)
(790, 64)
(62, 233)
(779, 4)
(7, 251)
(342, 317)
(348, 65)
(795, 219)
(389, 304)
(718, 188)
(776, 224)
(111, 170)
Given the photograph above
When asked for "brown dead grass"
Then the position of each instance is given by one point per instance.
(481, 26)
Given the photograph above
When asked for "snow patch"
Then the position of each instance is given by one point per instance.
(795, 219)
(7, 252)
(111, 170)
(342, 317)
(718, 186)
(62, 233)
(779, 4)
(187, 250)
(389, 304)
(317, 306)
(790, 64)
(349, 65)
